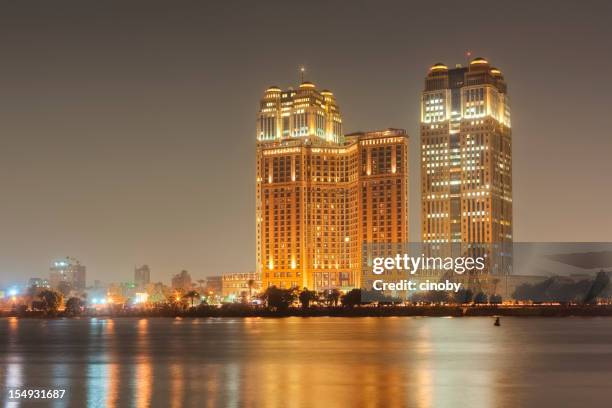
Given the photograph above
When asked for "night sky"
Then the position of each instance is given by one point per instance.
(127, 128)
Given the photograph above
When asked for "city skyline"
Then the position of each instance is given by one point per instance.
(118, 164)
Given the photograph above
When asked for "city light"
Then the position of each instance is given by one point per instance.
(141, 297)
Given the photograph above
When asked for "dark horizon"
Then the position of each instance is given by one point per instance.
(128, 130)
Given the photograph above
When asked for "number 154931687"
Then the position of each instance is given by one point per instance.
(17, 393)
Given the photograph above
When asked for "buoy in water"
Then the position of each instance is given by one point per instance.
(497, 322)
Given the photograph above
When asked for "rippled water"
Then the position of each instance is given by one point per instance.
(308, 362)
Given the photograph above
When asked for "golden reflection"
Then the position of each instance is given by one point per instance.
(232, 383)
(177, 385)
(143, 325)
(213, 385)
(112, 368)
(144, 368)
(144, 384)
(13, 323)
(369, 393)
(112, 388)
(422, 371)
(109, 326)
(271, 384)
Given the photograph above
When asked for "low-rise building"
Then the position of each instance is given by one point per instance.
(214, 285)
(240, 284)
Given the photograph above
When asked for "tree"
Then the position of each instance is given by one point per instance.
(599, 284)
(278, 299)
(480, 298)
(251, 285)
(192, 294)
(536, 293)
(73, 306)
(557, 289)
(307, 296)
(437, 296)
(51, 299)
(64, 288)
(495, 283)
(332, 297)
(352, 298)
(495, 299)
(463, 296)
(201, 282)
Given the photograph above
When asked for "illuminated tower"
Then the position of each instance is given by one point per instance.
(466, 158)
(383, 195)
(306, 195)
(304, 113)
(383, 185)
(319, 195)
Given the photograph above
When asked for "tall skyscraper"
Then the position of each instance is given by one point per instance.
(319, 195)
(466, 159)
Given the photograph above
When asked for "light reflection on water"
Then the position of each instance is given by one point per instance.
(295, 362)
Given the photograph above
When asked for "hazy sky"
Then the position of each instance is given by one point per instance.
(127, 128)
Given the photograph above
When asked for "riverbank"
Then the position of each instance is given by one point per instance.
(363, 311)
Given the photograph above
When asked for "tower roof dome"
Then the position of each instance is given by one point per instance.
(479, 61)
(438, 66)
(307, 84)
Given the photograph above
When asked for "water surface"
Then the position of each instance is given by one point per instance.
(308, 362)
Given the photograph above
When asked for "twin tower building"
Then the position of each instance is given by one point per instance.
(322, 196)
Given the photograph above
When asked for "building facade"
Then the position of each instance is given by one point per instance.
(214, 285)
(68, 271)
(239, 285)
(310, 186)
(383, 196)
(466, 160)
(182, 281)
(142, 276)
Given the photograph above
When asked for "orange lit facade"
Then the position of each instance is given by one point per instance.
(466, 156)
(321, 195)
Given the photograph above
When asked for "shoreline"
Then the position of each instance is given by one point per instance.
(381, 311)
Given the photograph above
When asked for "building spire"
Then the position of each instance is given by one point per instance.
(468, 56)
(302, 71)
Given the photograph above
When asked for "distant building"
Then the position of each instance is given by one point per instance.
(181, 281)
(120, 292)
(240, 284)
(38, 283)
(142, 276)
(214, 285)
(69, 271)
(158, 292)
(96, 295)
